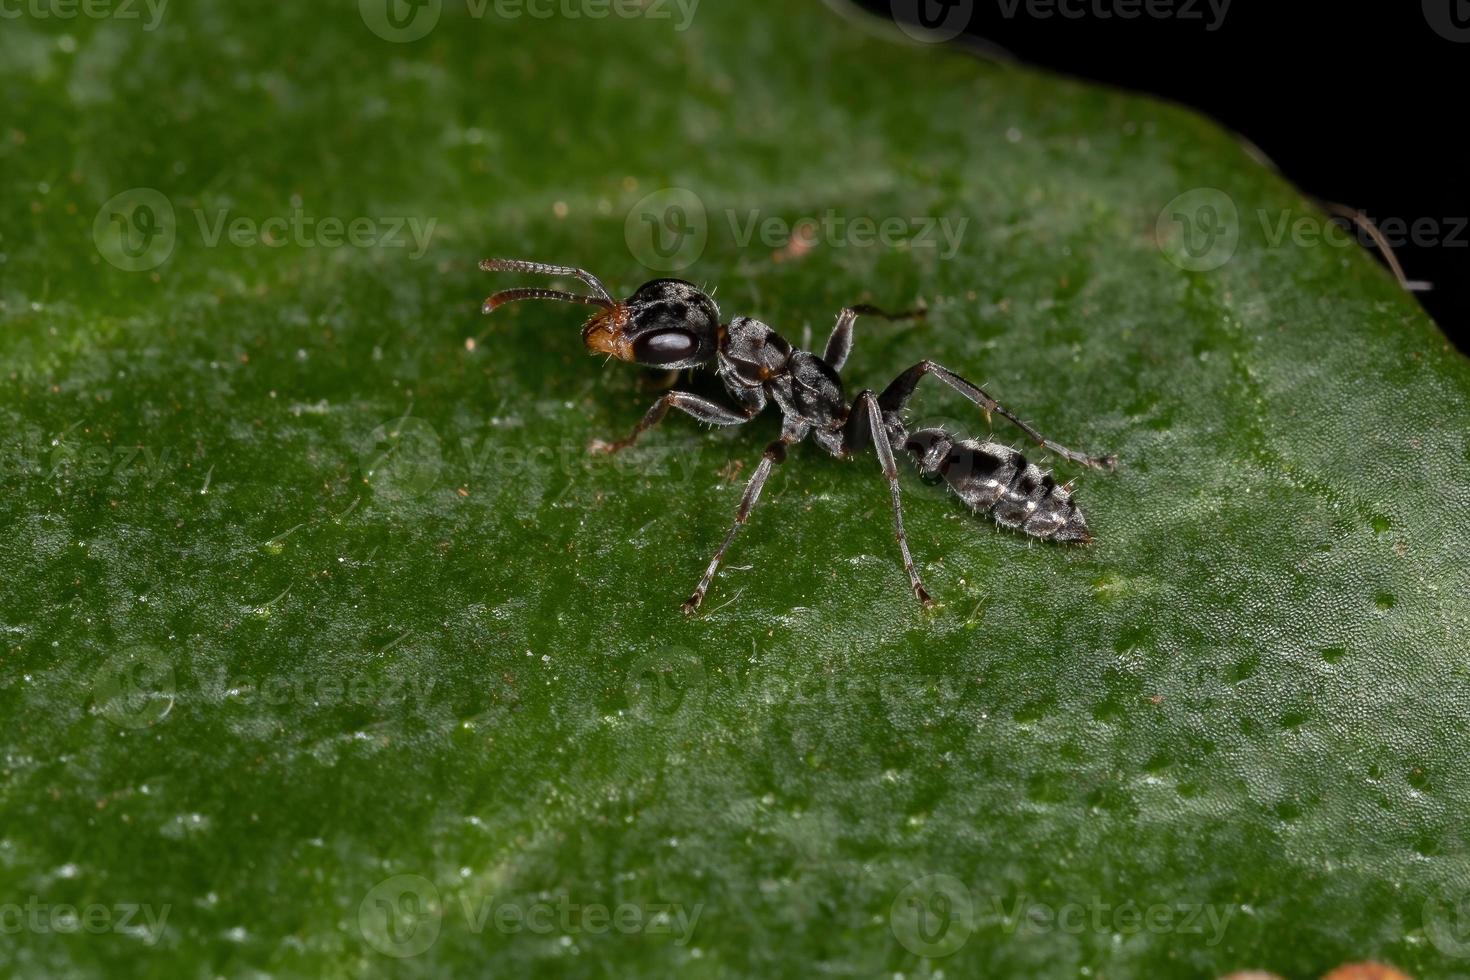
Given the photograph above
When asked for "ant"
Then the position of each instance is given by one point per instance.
(672, 325)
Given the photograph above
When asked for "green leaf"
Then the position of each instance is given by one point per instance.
(329, 649)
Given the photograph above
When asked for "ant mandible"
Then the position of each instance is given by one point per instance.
(671, 324)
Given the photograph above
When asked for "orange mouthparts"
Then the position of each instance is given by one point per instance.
(606, 333)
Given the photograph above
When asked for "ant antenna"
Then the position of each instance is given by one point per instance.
(603, 298)
(512, 295)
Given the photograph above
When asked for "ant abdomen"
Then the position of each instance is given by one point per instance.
(997, 480)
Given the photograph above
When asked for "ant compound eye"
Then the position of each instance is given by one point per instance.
(664, 347)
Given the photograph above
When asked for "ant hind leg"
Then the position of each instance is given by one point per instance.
(866, 413)
(897, 394)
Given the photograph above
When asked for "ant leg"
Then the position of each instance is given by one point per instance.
(774, 455)
(839, 345)
(896, 395)
(701, 408)
(867, 413)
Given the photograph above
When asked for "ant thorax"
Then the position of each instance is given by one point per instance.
(803, 386)
(756, 353)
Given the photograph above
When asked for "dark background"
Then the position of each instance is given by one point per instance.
(1364, 106)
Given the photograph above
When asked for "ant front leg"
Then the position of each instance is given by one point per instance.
(867, 415)
(700, 408)
(897, 394)
(839, 345)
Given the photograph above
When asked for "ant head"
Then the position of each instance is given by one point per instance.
(667, 323)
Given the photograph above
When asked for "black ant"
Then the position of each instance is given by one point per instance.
(672, 325)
